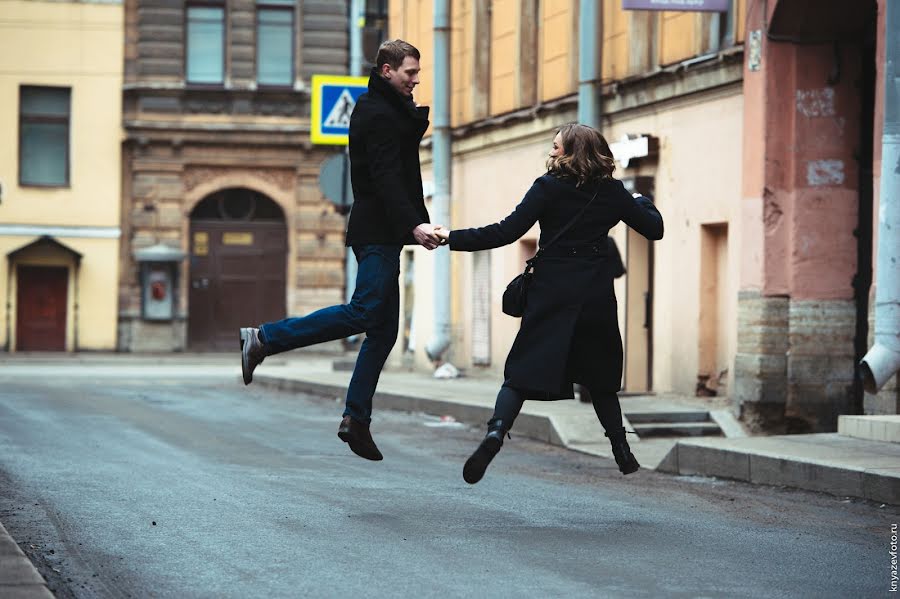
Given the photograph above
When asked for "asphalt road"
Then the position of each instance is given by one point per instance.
(177, 481)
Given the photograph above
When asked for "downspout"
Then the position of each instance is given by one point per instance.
(882, 361)
(356, 22)
(590, 48)
(865, 238)
(10, 267)
(440, 207)
(75, 304)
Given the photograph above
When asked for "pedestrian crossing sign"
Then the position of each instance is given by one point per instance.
(333, 99)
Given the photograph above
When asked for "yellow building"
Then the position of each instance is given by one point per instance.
(60, 171)
(673, 77)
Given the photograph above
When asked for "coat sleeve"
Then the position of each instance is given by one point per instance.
(507, 230)
(641, 215)
(386, 168)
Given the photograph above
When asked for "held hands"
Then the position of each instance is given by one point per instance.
(442, 233)
(429, 236)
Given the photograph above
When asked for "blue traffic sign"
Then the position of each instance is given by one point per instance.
(333, 100)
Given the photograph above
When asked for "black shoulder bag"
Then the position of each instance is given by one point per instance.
(516, 293)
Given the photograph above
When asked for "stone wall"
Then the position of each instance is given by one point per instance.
(760, 364)
(794, 367)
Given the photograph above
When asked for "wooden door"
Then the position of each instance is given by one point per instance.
(41, 307)
(237, 279)
(638, 314)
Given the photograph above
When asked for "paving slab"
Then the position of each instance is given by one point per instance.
(18, 576)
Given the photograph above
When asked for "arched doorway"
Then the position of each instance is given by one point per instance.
(237, 268)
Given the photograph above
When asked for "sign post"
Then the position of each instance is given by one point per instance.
(333, 99)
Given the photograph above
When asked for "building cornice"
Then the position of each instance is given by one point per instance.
(26, 230)
(170, 126)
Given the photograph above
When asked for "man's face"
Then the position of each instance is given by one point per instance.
(405, 78)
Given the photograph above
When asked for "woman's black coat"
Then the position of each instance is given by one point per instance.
(570, 331)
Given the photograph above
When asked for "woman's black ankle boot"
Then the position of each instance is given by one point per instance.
(477, 464)
(622, 452)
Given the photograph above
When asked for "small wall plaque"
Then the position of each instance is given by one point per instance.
(233, 238)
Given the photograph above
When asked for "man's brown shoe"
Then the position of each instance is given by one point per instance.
(252, 353)
(357, 436)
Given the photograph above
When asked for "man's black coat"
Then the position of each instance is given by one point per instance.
(385, 131)
(570, 329)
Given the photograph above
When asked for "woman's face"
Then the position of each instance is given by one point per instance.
(556, 149)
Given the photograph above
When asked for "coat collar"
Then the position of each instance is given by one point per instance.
(587, 190)
(380, 87)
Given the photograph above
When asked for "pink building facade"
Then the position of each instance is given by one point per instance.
(813, 93)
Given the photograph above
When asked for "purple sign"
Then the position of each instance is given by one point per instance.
(678, 5)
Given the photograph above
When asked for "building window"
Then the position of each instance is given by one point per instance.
(374, 32)
(44, 136)
(275, 42)
(205, 44)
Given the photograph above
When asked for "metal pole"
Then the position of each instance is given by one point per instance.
(357, 22)
(440, 207)
(883, 360)
(590, 48)
(357, 60)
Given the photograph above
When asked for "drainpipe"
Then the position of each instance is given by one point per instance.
(590, 48)
(356, 19)
(10, 268)
(440, 207)
(882, 361)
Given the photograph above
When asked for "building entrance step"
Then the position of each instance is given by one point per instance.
(872, 428)
(677, 429)
(637, 417)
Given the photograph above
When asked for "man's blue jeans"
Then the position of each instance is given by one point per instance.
(374, 309)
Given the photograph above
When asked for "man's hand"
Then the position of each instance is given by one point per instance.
(442, 233)
(426, 237)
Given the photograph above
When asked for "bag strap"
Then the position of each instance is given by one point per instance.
(561, 231)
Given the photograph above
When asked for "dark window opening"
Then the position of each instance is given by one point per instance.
(205, 45)
(237, 204)
(275, 42)
(44, 136)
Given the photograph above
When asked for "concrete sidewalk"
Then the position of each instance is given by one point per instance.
(18, 577)
(849, 463)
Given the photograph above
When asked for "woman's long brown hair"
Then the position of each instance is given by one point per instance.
(587, 157)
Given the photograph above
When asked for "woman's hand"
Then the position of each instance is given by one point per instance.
(443, 234)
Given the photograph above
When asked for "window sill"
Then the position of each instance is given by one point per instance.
(205, 86)
(45, 185)
(286, 87)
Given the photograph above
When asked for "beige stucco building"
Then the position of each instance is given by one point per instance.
(60, 164)
(514, 82)
(762, 153)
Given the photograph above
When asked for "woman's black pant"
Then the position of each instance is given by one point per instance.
(606, 406)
